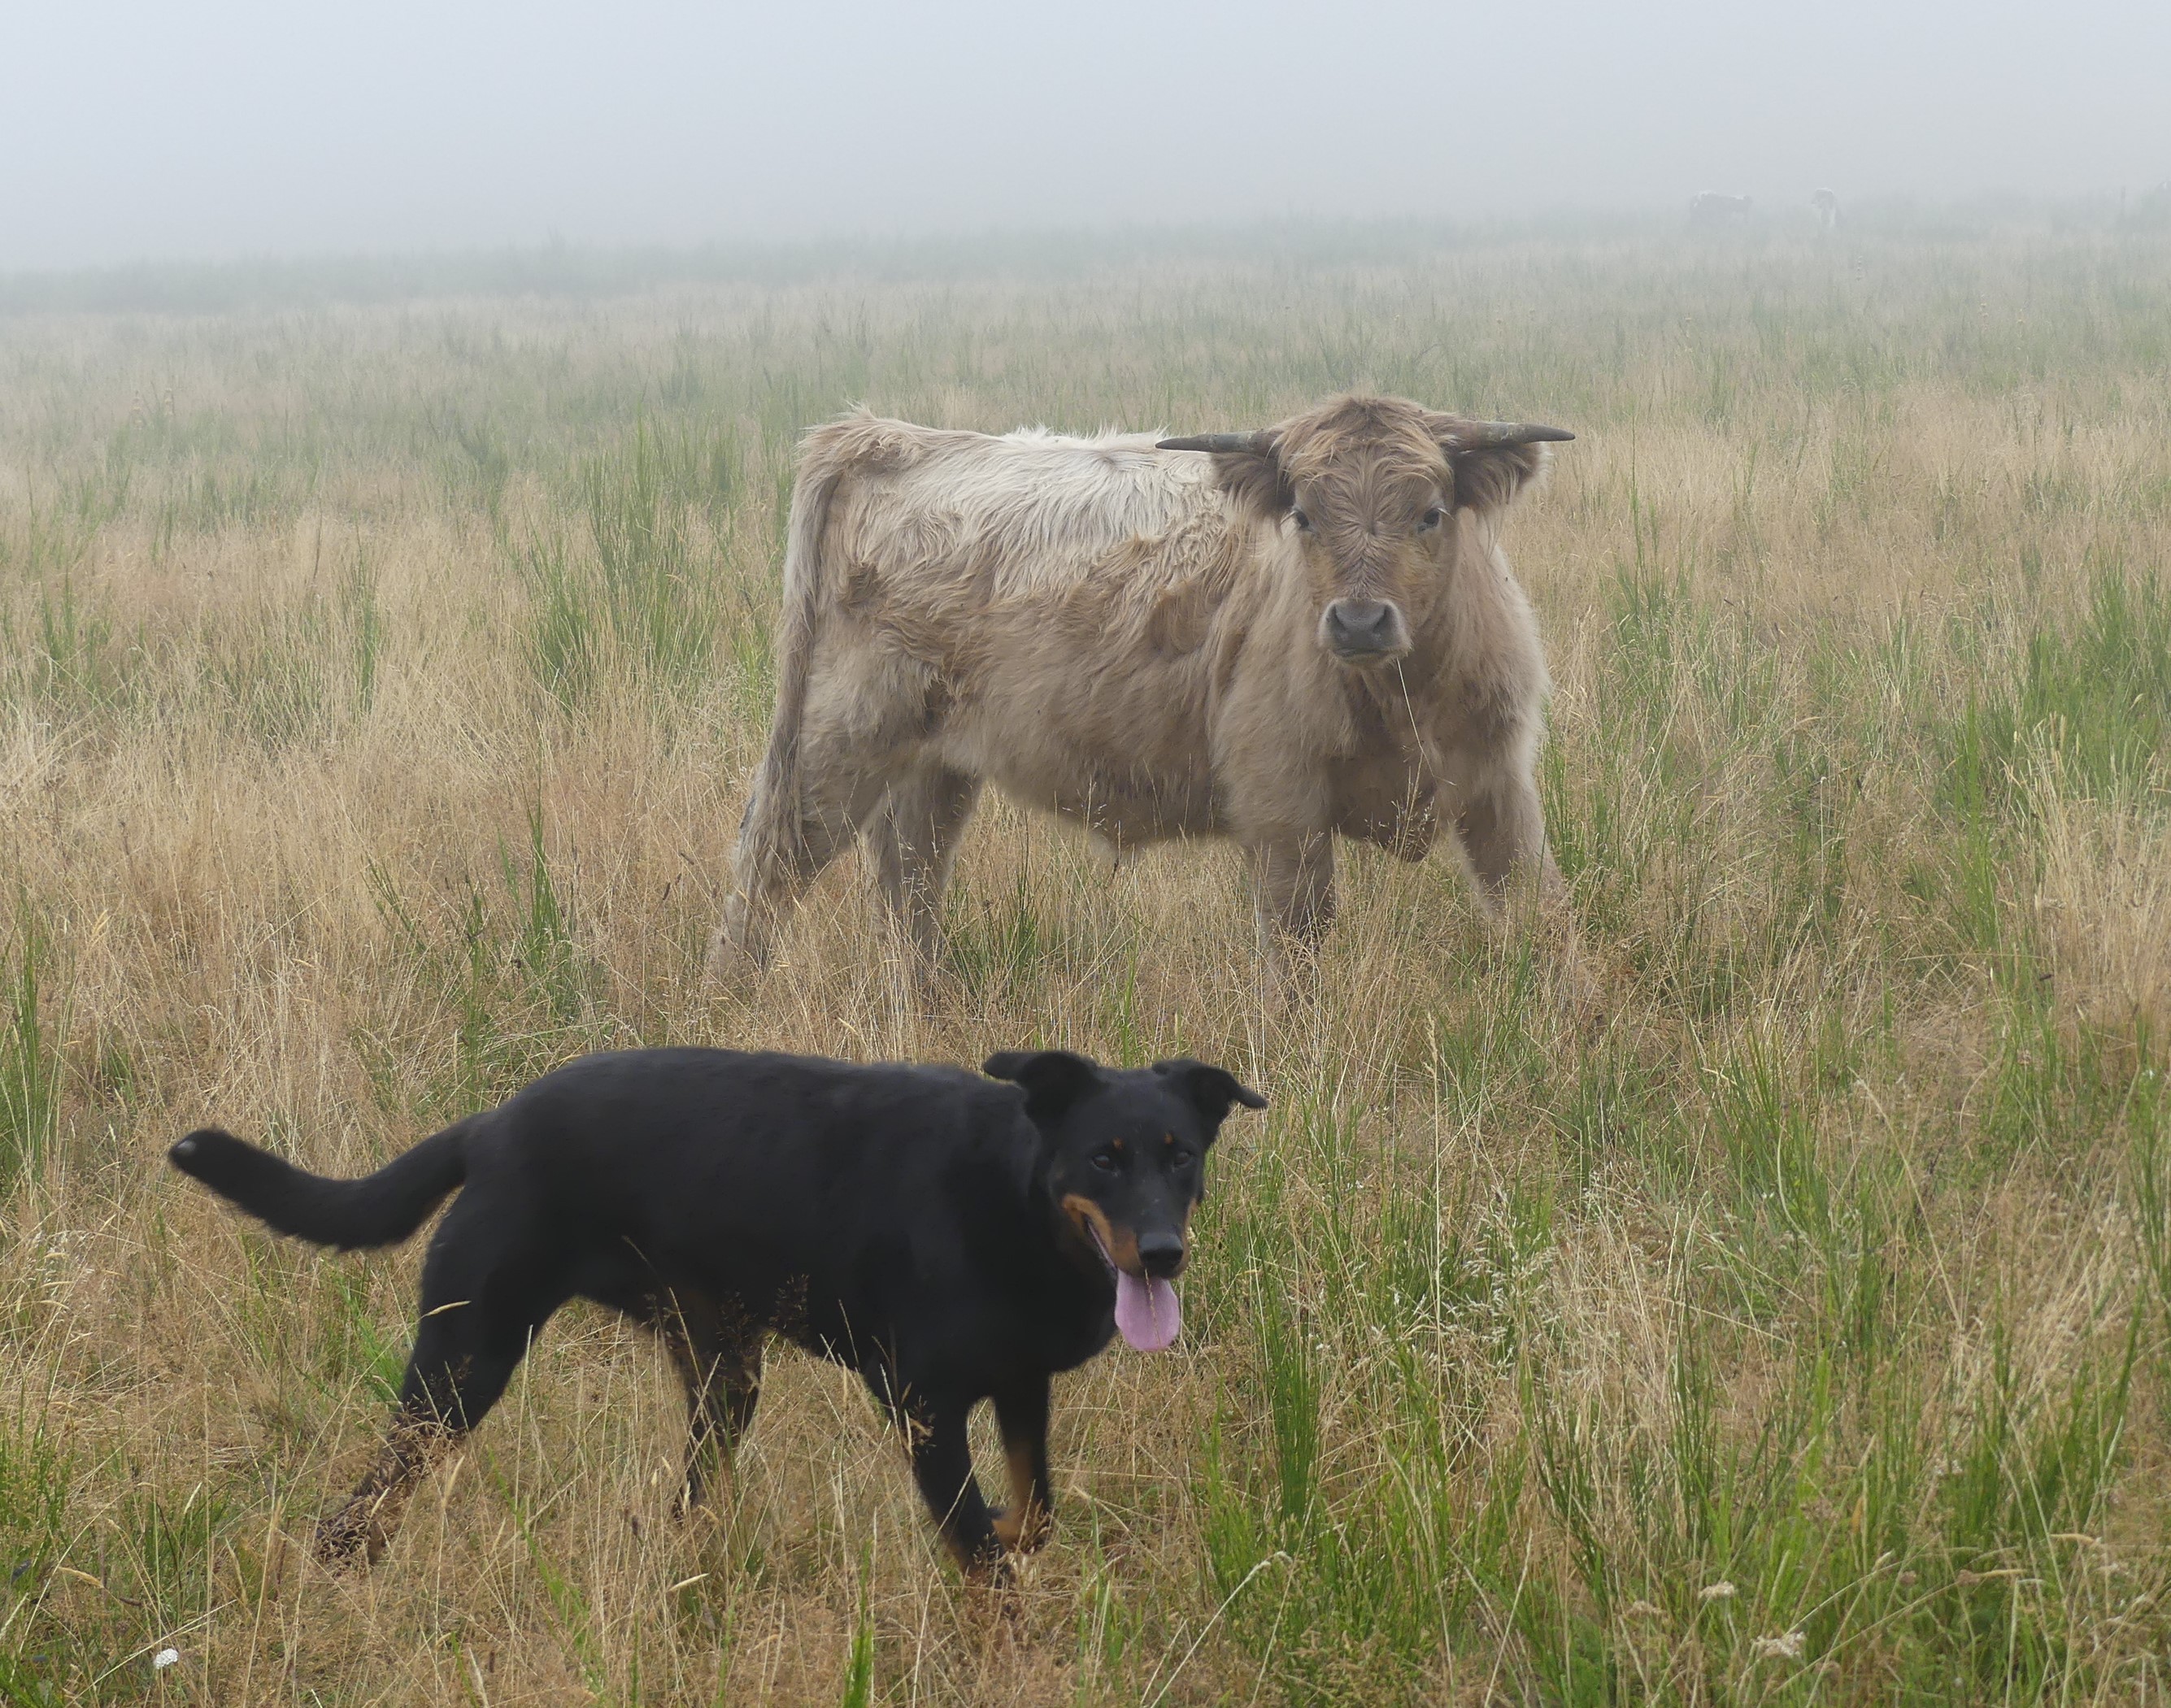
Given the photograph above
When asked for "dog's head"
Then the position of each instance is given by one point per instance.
(1123, 1157)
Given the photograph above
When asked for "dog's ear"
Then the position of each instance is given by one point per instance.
(1054, 1079)
(1210, 1090)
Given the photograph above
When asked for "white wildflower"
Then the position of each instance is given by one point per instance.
(1789, 1647)
(1720, 1591)
(165, 1658)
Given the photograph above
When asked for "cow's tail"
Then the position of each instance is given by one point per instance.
(770, 832)
(379, 1209)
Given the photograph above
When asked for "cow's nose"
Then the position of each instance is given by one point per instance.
(1160, 1255)
(1356, 627)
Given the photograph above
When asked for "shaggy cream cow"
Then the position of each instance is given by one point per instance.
(1304, 632)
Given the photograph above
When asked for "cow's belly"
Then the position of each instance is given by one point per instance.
(1127, 807)
(1129, 799)
(1132, 815)
(1128, 810)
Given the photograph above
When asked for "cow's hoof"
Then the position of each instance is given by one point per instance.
(730, 965)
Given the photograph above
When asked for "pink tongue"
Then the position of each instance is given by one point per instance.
(1147, 1312)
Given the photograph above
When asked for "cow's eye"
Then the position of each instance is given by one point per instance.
(1301, 520)
(1105, 1160)
(1432, 518)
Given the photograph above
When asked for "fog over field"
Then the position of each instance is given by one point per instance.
(137, 130)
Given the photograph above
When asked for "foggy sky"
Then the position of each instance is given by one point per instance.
(161, 131)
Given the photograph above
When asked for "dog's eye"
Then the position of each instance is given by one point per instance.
(1184, 1158)
(1105, 1160)
(1432, 518)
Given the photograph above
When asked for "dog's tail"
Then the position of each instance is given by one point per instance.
(379, 1209)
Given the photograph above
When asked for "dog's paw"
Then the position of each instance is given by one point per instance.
(1023, 1533)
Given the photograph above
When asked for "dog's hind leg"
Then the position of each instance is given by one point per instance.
(720, 1361)
(466, 1350)
(1021, 1414)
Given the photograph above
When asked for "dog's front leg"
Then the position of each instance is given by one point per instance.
(942, 1466)
(1021, 1413)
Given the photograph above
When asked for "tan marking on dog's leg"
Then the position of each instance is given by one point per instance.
(1022, 1521)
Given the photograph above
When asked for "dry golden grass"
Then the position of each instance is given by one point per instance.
(379, 687)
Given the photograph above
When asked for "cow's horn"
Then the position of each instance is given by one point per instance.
(1225, 443)
(1502, 435)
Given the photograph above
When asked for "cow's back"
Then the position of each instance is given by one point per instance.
(1034, 609)
(942, 520)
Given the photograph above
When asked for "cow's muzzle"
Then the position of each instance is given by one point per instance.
(1364, 631)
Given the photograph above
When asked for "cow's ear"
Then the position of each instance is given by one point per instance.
(1491, 462)
(1054, 1079)
(1254, 479)
(1489, 481)
(1212, 1092)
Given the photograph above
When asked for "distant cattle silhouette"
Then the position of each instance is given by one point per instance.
(1712, 209)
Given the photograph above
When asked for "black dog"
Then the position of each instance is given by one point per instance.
(951, 1239)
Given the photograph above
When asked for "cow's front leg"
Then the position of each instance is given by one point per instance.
(1503, 830)
(1293, 879)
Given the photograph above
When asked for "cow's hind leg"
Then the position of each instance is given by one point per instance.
(841, 787)
(480, 1308)
(914, 841)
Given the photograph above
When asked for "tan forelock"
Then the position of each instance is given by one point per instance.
(1357, 455)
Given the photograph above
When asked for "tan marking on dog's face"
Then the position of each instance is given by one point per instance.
(1121, 1246)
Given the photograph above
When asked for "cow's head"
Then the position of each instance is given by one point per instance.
(1369, 490)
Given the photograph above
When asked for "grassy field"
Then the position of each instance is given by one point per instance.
(379, 680)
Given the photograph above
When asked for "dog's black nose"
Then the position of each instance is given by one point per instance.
(1160, 1255)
